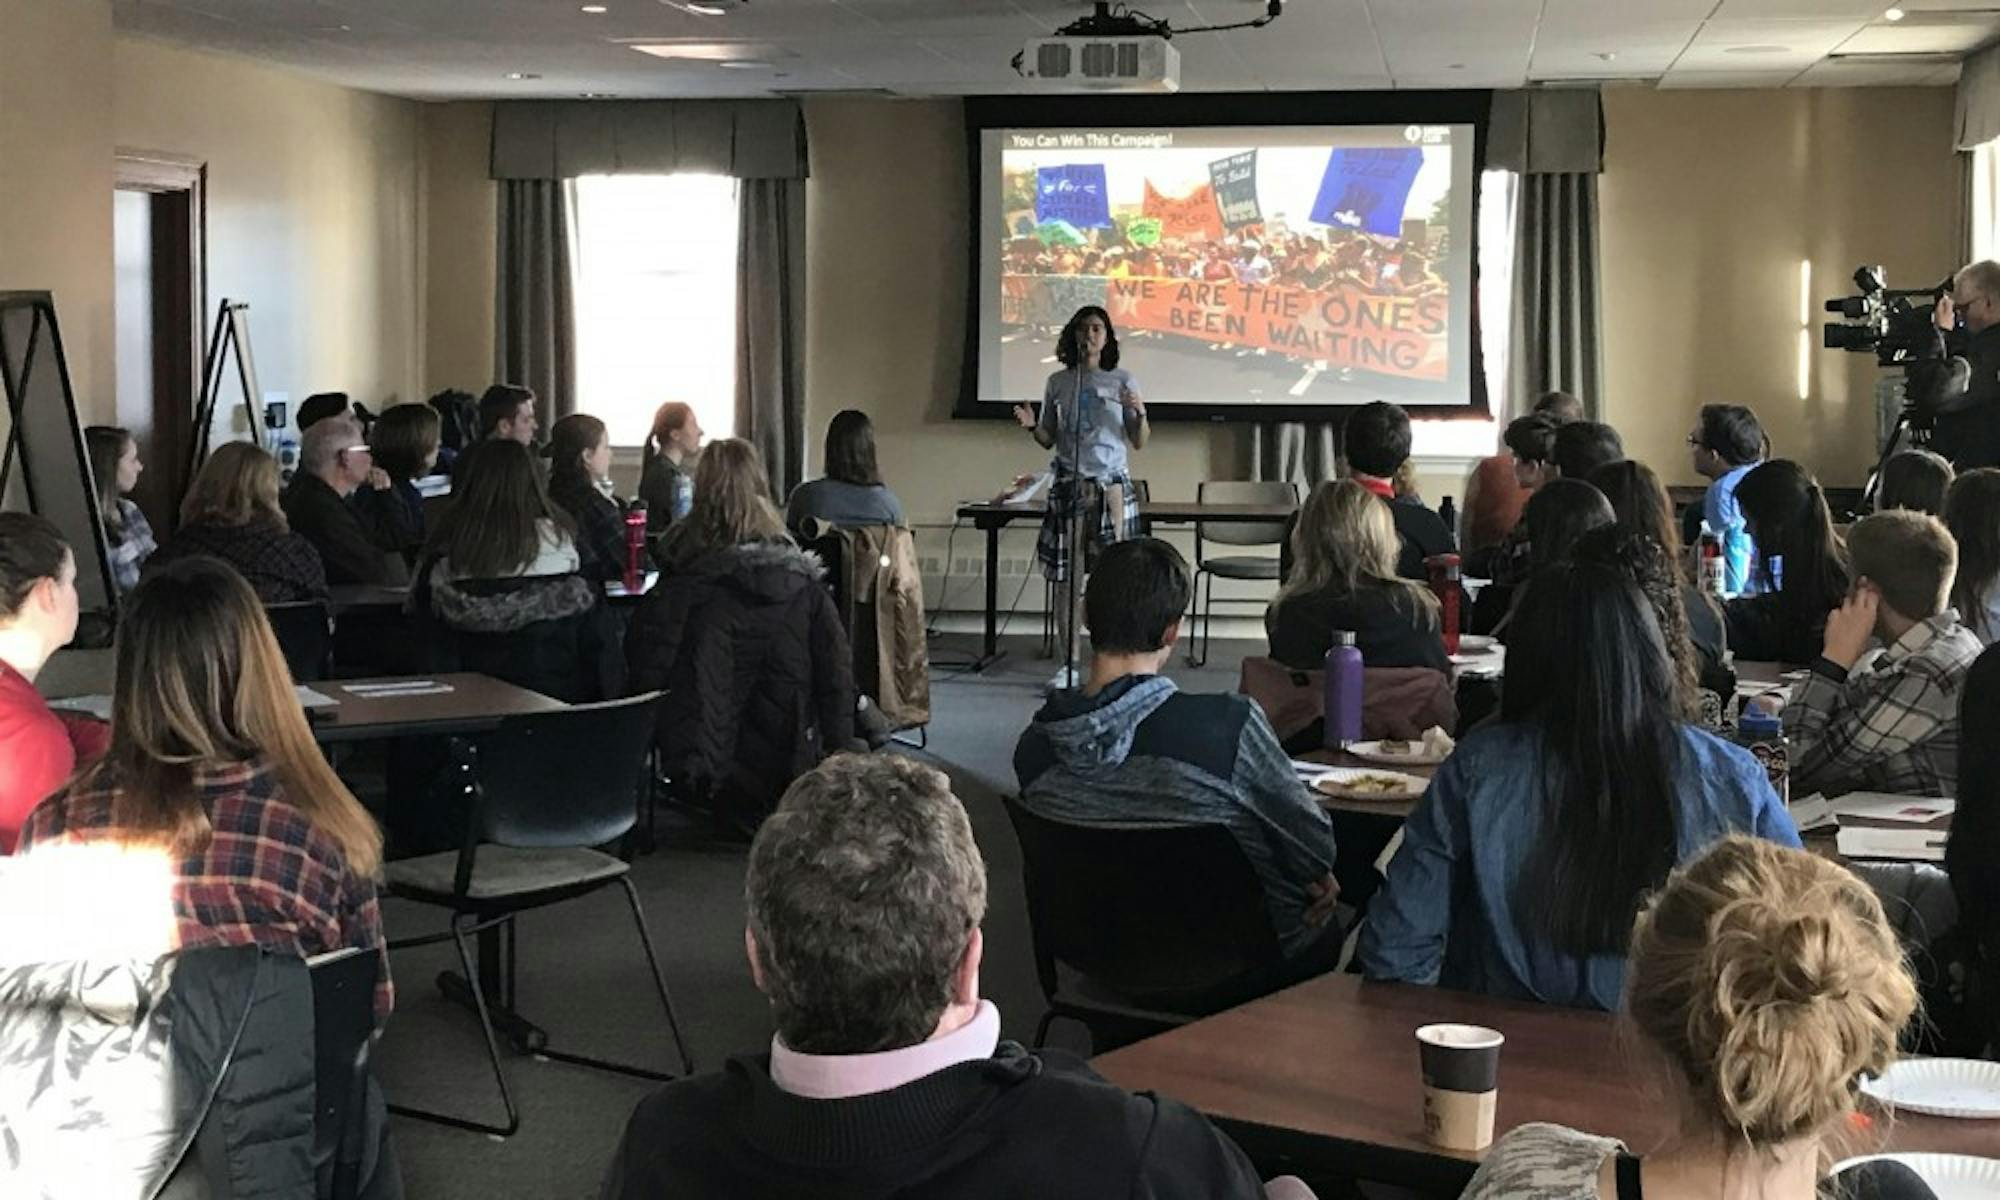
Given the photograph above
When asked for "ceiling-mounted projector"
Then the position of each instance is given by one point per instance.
(1146, 63)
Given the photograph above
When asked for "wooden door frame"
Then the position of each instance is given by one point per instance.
(179, 230)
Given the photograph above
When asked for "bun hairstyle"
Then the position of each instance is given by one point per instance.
(1771, 979)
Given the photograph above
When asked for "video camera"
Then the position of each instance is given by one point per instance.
(1886, 322)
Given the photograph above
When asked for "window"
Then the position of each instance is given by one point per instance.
(1985, 201)
(1499, 193)
(656, 299)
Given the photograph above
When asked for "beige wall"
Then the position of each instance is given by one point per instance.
(313, 204)
(1710, 201)
(55, 175)
(460, 226)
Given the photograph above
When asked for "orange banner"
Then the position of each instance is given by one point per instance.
(1342, 327)
(1192, 215)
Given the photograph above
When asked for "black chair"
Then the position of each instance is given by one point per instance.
(343, 986)
(305, 635)
(1163, 924)
(1235, 566)
(546, 790)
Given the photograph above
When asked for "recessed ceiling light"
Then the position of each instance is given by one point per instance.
(706, 10)
(1758, 50)
(744, 64)
(522, 75)
(1894, 14)
(595, 8)
(597, 95)
(1608, 56)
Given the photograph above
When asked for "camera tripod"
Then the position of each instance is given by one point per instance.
(1912, 431)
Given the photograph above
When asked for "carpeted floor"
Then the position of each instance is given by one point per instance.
(583, 978)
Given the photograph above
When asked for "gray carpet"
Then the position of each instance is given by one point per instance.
(583, 977)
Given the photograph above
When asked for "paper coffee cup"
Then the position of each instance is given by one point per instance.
(1461, 1065)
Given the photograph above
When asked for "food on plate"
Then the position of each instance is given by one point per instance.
(1395, 747)
(1364, 784)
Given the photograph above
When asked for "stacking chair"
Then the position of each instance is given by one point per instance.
(1114, 907)
(1234, 533)
(305, 636)
(343, 985)
(546, 790)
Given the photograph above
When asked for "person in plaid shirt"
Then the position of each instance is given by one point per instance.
(1887, 722)
(211, 757)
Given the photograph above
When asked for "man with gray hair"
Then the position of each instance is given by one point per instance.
(887, 1075)
(333, 461)
(1968, 425)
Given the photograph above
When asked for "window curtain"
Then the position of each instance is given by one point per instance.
(1554, 140)
(1300, 452)
(535, 306)
(771, 325)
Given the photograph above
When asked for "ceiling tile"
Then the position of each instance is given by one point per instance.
(1727, 79)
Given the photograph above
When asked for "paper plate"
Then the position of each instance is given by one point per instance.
(1414, 754)
(1951, 1176)
(1943, 1087)
(1354, 783)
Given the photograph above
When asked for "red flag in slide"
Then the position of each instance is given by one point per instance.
(1192, 215)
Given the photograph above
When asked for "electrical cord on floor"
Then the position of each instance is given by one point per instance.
(944, 587)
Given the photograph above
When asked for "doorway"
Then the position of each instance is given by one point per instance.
(159, 217)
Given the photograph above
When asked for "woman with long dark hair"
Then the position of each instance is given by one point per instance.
(580, 483)
(1802, 565)
(1523, 866)
(1560, 512)
(1972, 513)
(114, 469)
(852, 493)
(1093, 417)
(1972, 854)
(1640, 503)
(404, 443)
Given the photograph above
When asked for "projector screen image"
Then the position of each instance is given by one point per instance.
(1284, 266)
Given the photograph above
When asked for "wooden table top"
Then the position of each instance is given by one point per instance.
(1330, 1068)
(1166, 511)
(475, 704)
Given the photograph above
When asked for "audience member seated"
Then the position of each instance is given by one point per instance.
(1972, 514)
(507, 412)
(666, 481)
(580, 482)
(1522, 867)
(852, 494)
(1727, 443)
(115, 467)
(1344, 552)
(38, 748)
(887, 1075)
(1640, 503)
(321, 405)
(1765, 981)
(404, 445)
(458, 425)
(1801, 566)
(1916, 480)
(1580, 448)
(1130, 747)
(743, 635)
(1886, 721)
(1377, 443)
(232, 513)
(1972, 858)
(501, 573)
(212, 760)
(1561, 511)
(333, 461)
(1501, 484)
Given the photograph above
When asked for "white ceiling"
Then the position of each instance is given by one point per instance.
(467, 48)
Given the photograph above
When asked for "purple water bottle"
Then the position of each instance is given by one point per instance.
(1343, 692)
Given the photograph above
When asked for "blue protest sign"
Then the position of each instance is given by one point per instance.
(1367, 189)
(1073, 193)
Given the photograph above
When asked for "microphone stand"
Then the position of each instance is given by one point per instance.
(1073, 575)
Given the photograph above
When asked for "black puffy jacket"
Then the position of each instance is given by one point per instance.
(758, 675)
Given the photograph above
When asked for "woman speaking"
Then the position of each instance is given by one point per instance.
(1092, 416)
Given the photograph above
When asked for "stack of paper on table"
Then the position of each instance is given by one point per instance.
(1904, 845)
(1882, 806)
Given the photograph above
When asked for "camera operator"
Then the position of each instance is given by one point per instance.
(1968, 419)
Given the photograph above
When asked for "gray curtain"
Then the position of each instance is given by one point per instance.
(771, 324)
(1296, 452)
(1555, 343)
(536, 304)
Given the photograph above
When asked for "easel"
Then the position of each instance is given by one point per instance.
(55, 466)
(231, 332)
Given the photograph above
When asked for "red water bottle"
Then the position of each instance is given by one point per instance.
(635, 545)
(1444, 569)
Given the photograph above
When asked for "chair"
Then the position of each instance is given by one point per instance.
(305, 634)
(546, 790)
(343, 985)
(1118, 905)
(1234, 533)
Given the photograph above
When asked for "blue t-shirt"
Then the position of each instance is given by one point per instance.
(1103, 451)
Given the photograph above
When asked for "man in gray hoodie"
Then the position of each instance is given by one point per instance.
(1129, 747)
